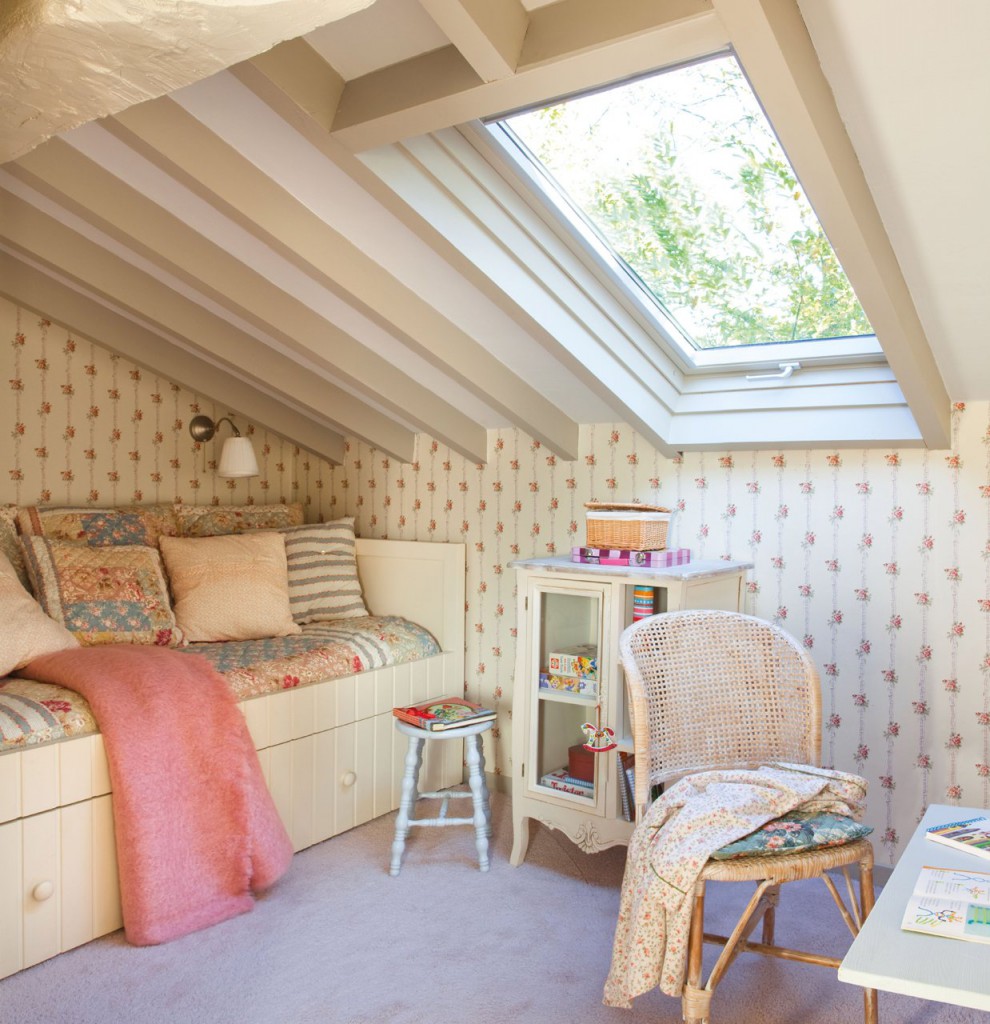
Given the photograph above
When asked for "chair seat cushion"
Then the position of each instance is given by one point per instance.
(793, 833)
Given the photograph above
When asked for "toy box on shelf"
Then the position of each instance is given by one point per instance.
(618, 556)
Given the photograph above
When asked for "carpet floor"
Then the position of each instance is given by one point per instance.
(338, 941)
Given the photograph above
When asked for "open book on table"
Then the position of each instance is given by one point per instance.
(950, 902)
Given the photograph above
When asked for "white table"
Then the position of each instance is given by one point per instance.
(927, 966)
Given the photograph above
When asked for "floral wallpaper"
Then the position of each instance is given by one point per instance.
(83, 426)
(877, 560)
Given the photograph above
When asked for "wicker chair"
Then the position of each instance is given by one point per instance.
(714, 689)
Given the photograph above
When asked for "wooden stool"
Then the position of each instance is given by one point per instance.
(482, 819)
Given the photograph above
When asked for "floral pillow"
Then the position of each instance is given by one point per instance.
(793, 833)
(218, 520)
(101, 527)
(103, 595)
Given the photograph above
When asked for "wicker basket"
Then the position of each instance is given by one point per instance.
(627, 526)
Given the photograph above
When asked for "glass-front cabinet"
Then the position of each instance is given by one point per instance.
(571, 752)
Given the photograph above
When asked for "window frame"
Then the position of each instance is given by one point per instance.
(557, 208)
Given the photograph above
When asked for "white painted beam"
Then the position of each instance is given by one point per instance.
(29, 286)
(107, 277)
(600, 44)
(159, 236)
(777, 54)
(177, 142)
(488, 33)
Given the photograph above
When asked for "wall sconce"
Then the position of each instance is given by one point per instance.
(237, 459)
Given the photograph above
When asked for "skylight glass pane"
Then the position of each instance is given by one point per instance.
(682, 177)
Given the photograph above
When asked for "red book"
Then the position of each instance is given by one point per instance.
(444, 713)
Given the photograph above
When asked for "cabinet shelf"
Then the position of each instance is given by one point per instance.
(563, 697)
(561, 606)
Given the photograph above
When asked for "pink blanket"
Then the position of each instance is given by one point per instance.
(195, 825)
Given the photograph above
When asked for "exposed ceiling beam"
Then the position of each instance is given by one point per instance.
(29, 286)
(488, 33)
(776, 51)
(114, 280)
(166, 134)
(561, 54)
(148, 229)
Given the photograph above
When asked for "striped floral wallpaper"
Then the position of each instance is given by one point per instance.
(83, 426)
(877, 560)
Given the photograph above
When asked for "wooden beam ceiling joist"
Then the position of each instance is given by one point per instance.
(107, 276)
(29, 286)
(173, 139)
(90, 191)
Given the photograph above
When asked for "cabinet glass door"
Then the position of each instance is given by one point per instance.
(570, 675)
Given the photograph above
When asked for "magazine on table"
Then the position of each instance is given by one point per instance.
(444, 713)
(950, 902)
(970, 834)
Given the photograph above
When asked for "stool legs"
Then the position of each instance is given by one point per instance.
(414, 758)
(479, 792)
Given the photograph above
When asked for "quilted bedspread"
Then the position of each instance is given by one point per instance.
(32, 712)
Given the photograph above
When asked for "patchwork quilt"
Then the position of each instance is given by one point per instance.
(32, 713)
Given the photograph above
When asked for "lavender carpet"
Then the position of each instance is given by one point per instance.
(337, 941)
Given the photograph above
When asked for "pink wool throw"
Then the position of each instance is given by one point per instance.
(195, 825)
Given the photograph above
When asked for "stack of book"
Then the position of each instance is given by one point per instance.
(561, 780)
(626, 766)
(444, 713)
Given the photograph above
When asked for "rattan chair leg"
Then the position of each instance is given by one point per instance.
(770, 917)
(695, 1000)
(867, 897)
(734, 944)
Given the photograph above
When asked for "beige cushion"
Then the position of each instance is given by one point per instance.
(229, 588)
(103, 595)
(323, 578)
(10, 545)
(27, 631)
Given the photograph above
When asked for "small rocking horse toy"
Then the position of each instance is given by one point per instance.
(600, 737)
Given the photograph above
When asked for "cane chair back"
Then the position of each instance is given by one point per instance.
(717, 689)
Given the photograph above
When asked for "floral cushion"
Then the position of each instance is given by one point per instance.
(216, 520)
(103, 595)
(793, 833)
(101, 527)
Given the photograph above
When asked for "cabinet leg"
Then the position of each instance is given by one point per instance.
(414, 757)
(520, 840)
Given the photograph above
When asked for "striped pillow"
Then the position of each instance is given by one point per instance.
(323, 579)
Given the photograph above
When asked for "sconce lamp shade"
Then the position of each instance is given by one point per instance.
(237, 458)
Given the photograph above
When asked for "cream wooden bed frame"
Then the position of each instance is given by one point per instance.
(330, 755)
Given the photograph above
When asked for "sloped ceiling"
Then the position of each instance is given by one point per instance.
(305, 236)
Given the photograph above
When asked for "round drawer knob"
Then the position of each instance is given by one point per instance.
(349, 778)
(43, 891)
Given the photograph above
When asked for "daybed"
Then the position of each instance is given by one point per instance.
(328, 751)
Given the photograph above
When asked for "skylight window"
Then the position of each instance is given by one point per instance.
(681, 179)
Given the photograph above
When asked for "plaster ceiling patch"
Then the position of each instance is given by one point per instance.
(66, 62)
